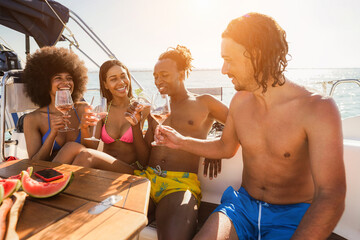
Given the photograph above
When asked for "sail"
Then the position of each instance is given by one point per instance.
(35, 18)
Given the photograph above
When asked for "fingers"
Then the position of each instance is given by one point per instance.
(212, 166)
(211, 169)
(206, 165)
(88, 109)
(219, 166)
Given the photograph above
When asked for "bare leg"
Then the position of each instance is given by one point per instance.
(176, 216)
(68, 152)
(151, 211)
(95, 159)
(217, 226)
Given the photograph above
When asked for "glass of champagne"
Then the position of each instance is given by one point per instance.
(64, 103)
(160, 109)
(100, 112)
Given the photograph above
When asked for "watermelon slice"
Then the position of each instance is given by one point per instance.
(44, 189)
(10, 186)
(29, 170)
(1, 193)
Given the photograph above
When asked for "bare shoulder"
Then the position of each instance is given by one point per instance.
(318, 108)
(35, 117)
(207, 98)
(241, 98)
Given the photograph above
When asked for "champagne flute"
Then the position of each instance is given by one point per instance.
(64, 103)
(160, 109)
(100, 112)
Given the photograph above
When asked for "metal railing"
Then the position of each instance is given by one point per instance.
(336, 83)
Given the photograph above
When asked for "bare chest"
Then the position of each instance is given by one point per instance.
(190, 120)
(279, 134)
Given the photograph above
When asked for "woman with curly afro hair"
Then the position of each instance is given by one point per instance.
(48, 70)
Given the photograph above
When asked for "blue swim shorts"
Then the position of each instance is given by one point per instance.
(254, 219)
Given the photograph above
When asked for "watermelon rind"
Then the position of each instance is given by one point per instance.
(10, 186)
(44, 189)
(30, 170)
(1, 193)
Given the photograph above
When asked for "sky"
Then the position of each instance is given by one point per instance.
(321, 33)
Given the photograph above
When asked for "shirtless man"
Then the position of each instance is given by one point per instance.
(293, 183)
(175, 188)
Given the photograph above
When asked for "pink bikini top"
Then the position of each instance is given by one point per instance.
(126, 137)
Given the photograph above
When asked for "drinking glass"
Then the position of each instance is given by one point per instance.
(100, 112)
(64, 103)
(143, 100)
(160, 109)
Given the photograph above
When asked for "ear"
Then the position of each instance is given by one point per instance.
(182, 75)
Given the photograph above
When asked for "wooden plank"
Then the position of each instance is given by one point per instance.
(62, 201)
(139, 194)
(79, 169)
(116, 227)
(19, 165)
(114, 222)
(35, 217)
(5, 164)
(86, 183)
(8, 169)
(96, 189)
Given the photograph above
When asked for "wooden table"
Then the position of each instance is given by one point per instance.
(66, 216)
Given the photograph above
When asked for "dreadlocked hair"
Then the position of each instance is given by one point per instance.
(181, 55)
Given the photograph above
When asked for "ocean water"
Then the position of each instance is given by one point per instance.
(346, 96)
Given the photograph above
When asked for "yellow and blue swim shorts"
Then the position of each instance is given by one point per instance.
(165, 182)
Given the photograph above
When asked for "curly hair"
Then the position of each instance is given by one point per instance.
(102, 78)
(265, 44)
(42, 65)
(181, 55)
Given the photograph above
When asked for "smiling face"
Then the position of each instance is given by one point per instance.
(117, 81)
(167, 76)
(237, 66)
(61, 81)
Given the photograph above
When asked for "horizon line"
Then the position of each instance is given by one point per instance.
(218, 69)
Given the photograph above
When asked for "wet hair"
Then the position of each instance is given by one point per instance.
(102, 78)
(42, 65)
(181, 55)
(265, 44)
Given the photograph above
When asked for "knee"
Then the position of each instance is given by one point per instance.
(72, 146)
(83, 158)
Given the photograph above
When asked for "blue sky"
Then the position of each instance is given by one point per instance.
(321, 33)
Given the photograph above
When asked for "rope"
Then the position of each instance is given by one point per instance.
(71, 34)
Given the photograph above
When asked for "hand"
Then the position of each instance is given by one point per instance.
(58, 122)
(167, 136)
(134, 112)
(88, 118)
(214, 166)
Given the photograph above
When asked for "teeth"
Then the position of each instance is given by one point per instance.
(120, 89)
